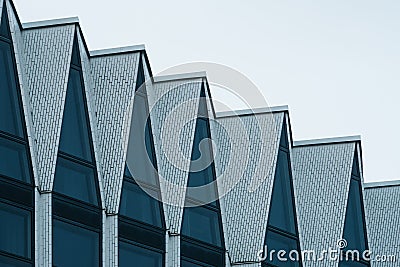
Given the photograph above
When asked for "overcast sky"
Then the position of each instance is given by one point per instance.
(335, 63)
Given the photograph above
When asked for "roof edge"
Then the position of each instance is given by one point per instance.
(180, 76)
(331, 140)
(254, 111)
(50, 23)
(117, 50)
(382, 184)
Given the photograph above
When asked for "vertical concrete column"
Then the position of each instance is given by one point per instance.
(173, 246)
(110, 240)
(43, 229)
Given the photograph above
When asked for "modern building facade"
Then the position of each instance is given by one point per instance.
(78, 187)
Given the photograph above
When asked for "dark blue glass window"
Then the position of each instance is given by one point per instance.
(138, 205)
(185, 263)
(143, 163)
(140, 76)
(75, 139)
(282, 209)
(354, 231)
(74, 245)
(354, 225)
(202, 240)
(4, 26)
(14, 160)
(75, 180)
(282, 233)
(15, 230)
(11, 262)
(202, 224)
(130, 255)
(10, 112)
(278, 242)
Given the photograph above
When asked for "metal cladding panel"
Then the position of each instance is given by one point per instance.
(173, 109)
(246, 160)
(321, 175)
(47, 58)
(114, 80)
(383, 221)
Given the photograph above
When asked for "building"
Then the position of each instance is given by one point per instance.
(67, 197)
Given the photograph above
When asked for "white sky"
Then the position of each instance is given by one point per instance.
(335, 63)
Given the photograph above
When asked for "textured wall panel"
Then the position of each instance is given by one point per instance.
(47, 57)
(322, 178)
(383, 217)
(175, 103)
(247, 160)
(114, 79)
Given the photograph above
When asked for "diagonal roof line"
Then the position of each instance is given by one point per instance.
(382, 184)
(180, 76)
(252, 111)
(327, 141)
(50, 23)
(117, 50)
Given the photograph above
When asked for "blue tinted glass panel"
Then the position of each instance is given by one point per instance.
(284, 137)
(282, 213)
(141, 160)
(275, 241)
(131, 255)
(76, 181)
(74, 138)
(11, 262)
(354, 231)
(76, 58)
(138, 205)
(356, 169)
(4, 26)
(14, 160)
(201, 166)
(10, 111)
(202, 224)
(15, 230)
(140, 76)
(190, 264)
(74, 246)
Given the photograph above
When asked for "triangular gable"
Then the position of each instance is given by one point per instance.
(247, 151)
(73, 178)
(174, 107)
(202, 173)
(75, 136)
(47, 95)
(116, 107)
(321, 176)
(141, 186)
(282, 230)
(354, 226)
